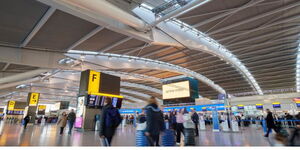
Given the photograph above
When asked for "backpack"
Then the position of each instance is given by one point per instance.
(112, 118)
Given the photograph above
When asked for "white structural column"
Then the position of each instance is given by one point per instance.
(116, 61)
(298, 70)
(203, 43)
(39, 25)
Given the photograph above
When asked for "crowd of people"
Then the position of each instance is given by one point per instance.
(183, 122)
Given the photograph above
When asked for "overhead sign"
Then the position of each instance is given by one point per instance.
(276, 105)
(94, 82)
(259, 106)
(42, 107)
(34, 99)
(176, 90)
(11, 105)
(240, 106)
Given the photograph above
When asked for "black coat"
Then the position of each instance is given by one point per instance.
(72, 117)
(195, 118)
(154, 119)
(106, 131)
(270, 120)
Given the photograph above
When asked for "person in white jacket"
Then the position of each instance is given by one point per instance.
(189, 129)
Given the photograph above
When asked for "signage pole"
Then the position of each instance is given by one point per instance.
(228, 110)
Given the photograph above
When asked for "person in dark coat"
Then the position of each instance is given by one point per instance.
(71, 120)
(195, 119)
(107, 132)
(142, 117)
(26, 120)
(270, 123)
(154, 121)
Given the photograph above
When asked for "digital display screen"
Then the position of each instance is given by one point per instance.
(240, 107)
(298, 104)
(99, 101)
(176, 90)
(276, 106)
(259, 107)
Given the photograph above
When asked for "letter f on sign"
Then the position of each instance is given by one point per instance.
(94, 77)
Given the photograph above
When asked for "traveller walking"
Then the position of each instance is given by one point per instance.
(179, 125)
(62, 122)
(154, 122)
(110, 119)
(295, 136)
(26, 120)
(173, 119)
(71, 120)
(270, 123)
(189, 128)
(195, 119)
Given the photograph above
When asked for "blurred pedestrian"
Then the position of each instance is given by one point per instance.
(71, 120)
(270, 123)
(154, 122)
(110, 119)
(62, 122)
(195, 119)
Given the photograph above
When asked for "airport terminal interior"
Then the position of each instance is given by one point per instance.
(181, 73)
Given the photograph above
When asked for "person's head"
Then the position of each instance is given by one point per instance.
(152, 100)
(108, 101)
(268, 110)
(64, 113)
(72, 110)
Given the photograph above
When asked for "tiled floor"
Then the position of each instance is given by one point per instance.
(47, 135)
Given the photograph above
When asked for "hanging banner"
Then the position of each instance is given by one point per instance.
(94, 82)
(33, 99)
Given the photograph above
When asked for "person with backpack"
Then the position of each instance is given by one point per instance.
(154, 122)
(71, 120)
(110, 119)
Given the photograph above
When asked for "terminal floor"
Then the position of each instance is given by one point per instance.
(48, 135)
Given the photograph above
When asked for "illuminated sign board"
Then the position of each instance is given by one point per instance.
(11, 105)
(240, 106)
(276, 105)
(34, 99)
(298, 104)
(94, 82)
(259, 106)
(176, 90)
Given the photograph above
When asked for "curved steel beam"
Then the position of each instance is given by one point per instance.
(196, 40)
(116, 61)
